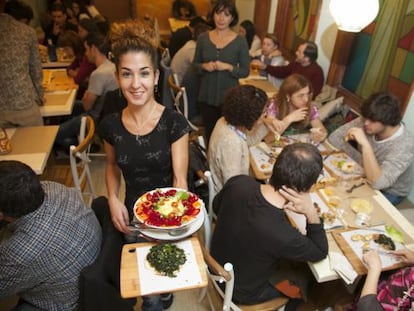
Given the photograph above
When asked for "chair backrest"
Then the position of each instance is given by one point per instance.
(179, 94)
(79, 161)
(219, 274)
(166, 97)
(211, 194)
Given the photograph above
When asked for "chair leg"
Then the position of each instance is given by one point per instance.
(202, 295)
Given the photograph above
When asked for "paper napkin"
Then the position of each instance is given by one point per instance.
(342, 267)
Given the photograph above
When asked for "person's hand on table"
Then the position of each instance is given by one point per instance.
(119, 214)
(317, 135)
(273, 124)
(372, 260)
(300, 202)
(405, 255)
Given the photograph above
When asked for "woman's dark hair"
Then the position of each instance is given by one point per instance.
(19, 10)
(297, 167)
(230, 6)
(136, 36)
(20, 189)
(250, 32)
(71, 39)
(243, 105)
(382, 107)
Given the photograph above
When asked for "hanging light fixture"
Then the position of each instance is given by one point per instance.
(353, 15)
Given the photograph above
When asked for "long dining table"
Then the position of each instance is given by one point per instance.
(31, 145)
(60, 93)
(337, 195)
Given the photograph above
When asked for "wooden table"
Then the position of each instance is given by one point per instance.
(176, 24)
(31, 145)
(383, 211)
(261, 83)
(49, 65)
(137, 279)
(60, 93)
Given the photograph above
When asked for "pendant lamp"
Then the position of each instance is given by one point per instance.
(353, 15)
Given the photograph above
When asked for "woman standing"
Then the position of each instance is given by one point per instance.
(146, 142)
(221, 57)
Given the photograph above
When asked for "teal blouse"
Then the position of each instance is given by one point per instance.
(214, 84)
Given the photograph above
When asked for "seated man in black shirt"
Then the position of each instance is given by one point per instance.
(253, 232)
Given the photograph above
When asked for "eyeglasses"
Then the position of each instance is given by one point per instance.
(303, 95)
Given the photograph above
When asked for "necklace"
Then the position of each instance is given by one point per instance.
(139, 127)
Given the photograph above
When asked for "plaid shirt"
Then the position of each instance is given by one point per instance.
(42, 260)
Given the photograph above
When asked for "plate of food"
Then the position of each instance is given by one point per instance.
(373, 238)
(169, 209)
(341, 165)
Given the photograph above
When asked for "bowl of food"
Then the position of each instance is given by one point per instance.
(168, 208)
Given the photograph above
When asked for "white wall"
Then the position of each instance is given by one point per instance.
(245, 9)
(325, 37)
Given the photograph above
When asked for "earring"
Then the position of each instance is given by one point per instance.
(156, 88)
(119, 93)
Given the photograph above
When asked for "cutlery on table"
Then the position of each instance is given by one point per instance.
(355, 187)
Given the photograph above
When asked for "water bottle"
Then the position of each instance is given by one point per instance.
(51, 51)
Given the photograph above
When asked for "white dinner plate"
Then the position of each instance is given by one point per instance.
(162, 234)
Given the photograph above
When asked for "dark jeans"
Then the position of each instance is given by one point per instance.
(394, 199)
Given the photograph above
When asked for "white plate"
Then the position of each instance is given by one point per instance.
(163, 234)
(165, 190)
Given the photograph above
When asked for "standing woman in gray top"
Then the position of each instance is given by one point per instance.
(222, 58)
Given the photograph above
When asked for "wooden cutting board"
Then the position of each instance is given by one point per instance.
(353, 257)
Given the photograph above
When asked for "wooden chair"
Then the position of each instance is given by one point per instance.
(219, 273)
(79, 161)
(180, 99)
(211, 194)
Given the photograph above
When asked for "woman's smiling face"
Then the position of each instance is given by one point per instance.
(137, 77)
